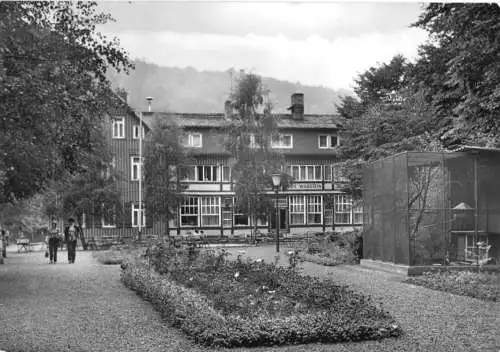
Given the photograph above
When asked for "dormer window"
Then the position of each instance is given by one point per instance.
(328, 141)
(192, 140)
(118, 127)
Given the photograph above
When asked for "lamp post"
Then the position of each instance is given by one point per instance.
(141, 207)
(276, 183)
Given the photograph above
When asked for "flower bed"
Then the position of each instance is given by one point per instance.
(233, 303)
(330, 250)
(478, 285)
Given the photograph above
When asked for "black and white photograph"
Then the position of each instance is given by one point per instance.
(249, 176)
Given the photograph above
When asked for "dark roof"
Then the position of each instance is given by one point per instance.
(218, 120)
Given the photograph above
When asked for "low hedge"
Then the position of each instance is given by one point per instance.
(327, 260)
(465, 283)
(194, 313)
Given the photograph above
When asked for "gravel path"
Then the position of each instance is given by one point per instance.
(85, 307)
(432, 320)
(76, 307)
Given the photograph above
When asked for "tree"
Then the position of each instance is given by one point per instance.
(90, 190)
(54, 90)
(390, 123)
(460, 70)
(165, 158)
(350, 107)
(249, 133)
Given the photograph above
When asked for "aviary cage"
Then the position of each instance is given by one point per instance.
(429, 208)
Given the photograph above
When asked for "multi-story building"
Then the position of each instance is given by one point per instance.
(122, 128)
(314, 201)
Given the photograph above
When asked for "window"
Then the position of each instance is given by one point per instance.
(135, 169)
(204, 173)
(240, 219)
(192, 140)
(135, 132)
(109, 217)
(189, 212)
(297, 210)
(314, 210)
(262, 220)
(138, 215)
(328, 172)
(343, 207)
(328, 141)
(305, 172)
(188, 173)
(210, 211)
(254, 141)
(357, 214)
(207, 173)
(282, 141)
(227, 205)
(118, 127)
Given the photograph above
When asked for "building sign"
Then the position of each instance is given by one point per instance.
(299, 185)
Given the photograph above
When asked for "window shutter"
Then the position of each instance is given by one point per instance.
(149, 218)
(127, 215)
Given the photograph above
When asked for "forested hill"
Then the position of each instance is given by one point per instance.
(189, 90)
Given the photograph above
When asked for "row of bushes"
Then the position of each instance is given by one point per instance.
(473, 284)
(233, 303)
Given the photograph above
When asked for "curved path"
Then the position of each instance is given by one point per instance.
(76, 307)
(432, 320)
(85, 307)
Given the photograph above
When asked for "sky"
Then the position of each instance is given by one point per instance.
(314, 43)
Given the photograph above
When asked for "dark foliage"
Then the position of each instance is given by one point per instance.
(54, 91)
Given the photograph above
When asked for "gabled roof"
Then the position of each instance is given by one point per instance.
(218, 120)
(121, 107)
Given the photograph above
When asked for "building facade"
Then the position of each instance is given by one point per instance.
(314, 201)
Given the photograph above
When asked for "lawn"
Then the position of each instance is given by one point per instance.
(480, 285)
(118, 254)
(223, 303)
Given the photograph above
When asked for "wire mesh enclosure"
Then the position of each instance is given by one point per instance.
(428, 208)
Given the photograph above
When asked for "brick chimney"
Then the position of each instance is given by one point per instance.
(228, 110)
(297, 107)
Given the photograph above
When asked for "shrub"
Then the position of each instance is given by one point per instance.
(235, 303)
(332, 249)
(478, 285)
(115, 257)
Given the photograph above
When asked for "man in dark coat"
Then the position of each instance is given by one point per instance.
(71, 234)
(54, 239)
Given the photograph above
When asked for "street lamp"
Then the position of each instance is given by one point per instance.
(141, 207)
(276, 183)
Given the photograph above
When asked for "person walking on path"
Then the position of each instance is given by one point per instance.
(4, 239)
(54, 240)
(71, 234)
